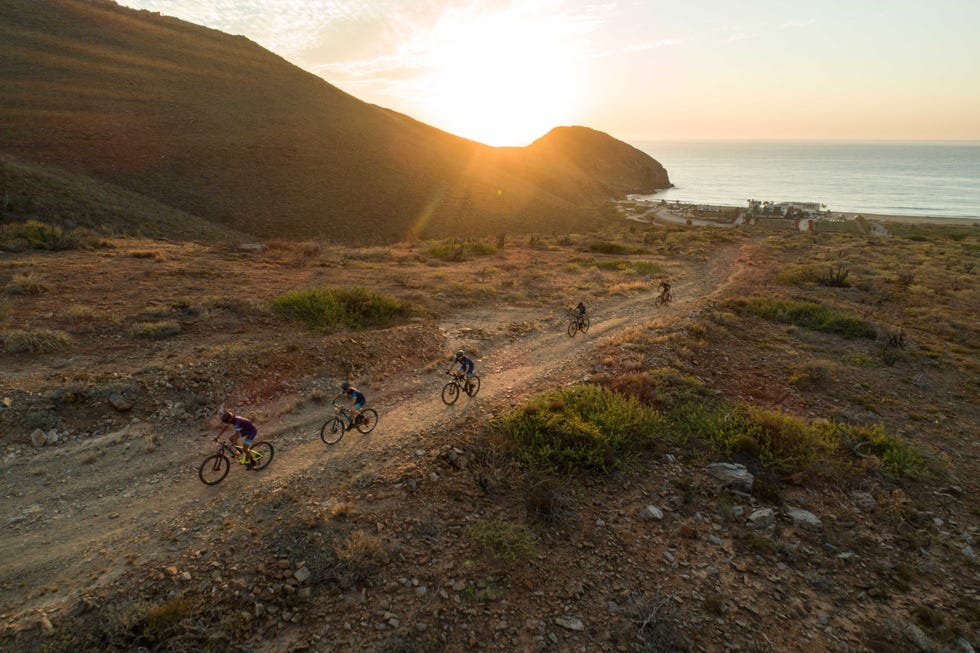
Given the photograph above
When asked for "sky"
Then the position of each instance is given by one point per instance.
(504, 72)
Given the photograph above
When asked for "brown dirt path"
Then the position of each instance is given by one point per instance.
(107, 502)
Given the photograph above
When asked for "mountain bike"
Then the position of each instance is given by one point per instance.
(458, 385)
(215, 467)
(577, 323)
(335, 427)
(663, 298)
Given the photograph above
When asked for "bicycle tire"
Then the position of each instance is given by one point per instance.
(572, 328)
(214, 469)
(332, 430)
(475, 383)
(450, 393)
(659, 301)
(584, 327)
(262, 453)
(368, 419)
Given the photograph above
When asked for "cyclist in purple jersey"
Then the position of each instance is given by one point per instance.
(242, 427)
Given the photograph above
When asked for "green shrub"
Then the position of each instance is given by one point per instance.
(780, 442)
(586, 428)
(810, 315)
(325, 309)
(35, 341)
(609, 247)
(899, 459)
(502, 540)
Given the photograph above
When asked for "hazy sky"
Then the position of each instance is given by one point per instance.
(504, 72)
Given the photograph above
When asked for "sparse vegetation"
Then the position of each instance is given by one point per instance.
(501, 540)
(26, 284)
(156, 330)
(32, 234)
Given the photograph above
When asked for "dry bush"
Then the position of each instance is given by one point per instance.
(27, 284)
(359, 557)
(35, 341)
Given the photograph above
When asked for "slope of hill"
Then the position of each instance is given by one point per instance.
(35, 192)
(215, 126)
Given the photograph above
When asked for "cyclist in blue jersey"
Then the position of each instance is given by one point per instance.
(242, 427)
(357, 398)
(466, 367)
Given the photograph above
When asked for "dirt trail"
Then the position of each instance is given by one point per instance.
(74, 516)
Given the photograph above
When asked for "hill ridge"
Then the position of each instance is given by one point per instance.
(218, 127)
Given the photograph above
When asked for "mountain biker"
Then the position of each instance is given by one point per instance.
(466, 367)
(356, 396)
(242, 427)
(664, 289)
(581, 311)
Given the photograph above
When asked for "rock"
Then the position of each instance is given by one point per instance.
(804, 517)
(964, 645)
(570, 623)
(917, 637)
(732, 475)
(652, 513)
(763, 518)
(864, 501)
(302, 574)
(39, 438)
(120, 402)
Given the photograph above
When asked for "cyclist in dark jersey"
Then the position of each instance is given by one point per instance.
(357, 398)
(242, 427)
(466, 367)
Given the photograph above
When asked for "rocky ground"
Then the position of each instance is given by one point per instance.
(424, 535)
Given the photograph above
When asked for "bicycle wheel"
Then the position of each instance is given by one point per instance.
(450, 393)
(214, 469)
(584, 326)
(474, 385)
(659, 301)
(332, 430)
(367, 420)
(262, 453)
(572, 328)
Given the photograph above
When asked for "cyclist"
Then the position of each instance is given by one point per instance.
(242, 427)
(357, 398)
(466, 367)
(580, 312)
(664, 289)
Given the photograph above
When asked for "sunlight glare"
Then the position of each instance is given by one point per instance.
(499, 79)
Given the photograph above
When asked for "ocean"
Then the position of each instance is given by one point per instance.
(938, 179)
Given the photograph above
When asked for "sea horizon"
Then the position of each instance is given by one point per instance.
(916, 178)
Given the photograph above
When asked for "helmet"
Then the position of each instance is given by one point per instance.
(226, 416)
(459, 354)
(345, 386)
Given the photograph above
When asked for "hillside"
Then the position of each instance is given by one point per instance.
(214, 126)
(445, 530)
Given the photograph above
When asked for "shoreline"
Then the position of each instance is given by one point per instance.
(850, 215)
(910, 219)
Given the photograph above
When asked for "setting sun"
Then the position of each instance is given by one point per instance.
(499, 79)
